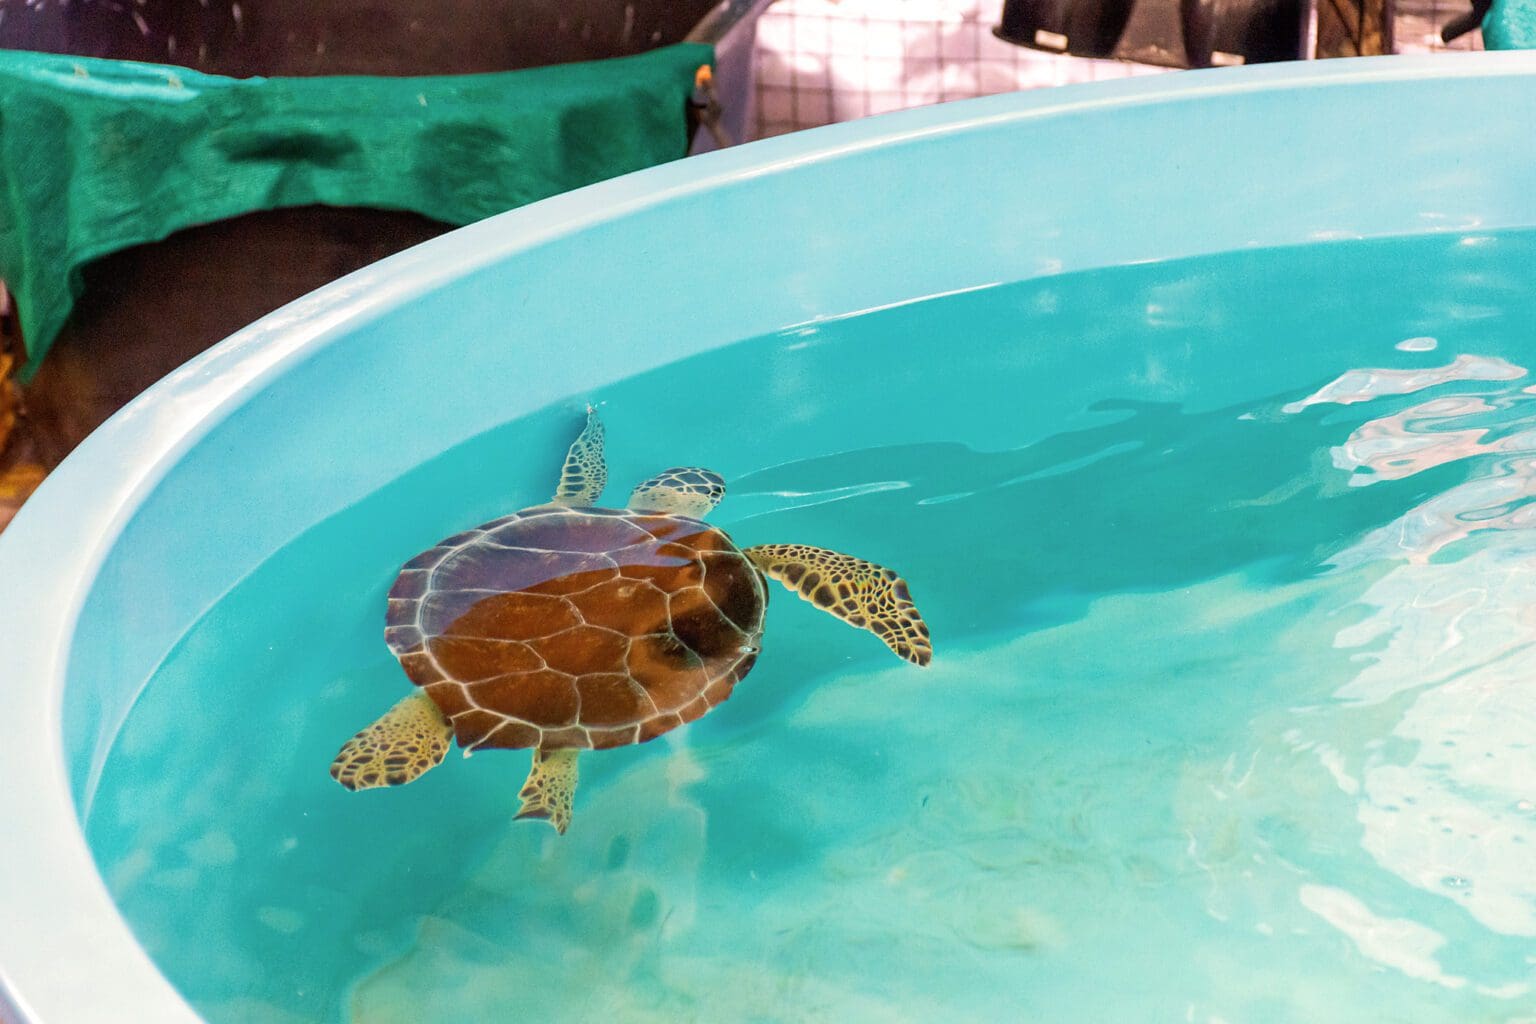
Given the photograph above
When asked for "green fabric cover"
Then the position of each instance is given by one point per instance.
(99, 155)
(1510, 25)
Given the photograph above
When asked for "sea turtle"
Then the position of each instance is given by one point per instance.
(569, 627)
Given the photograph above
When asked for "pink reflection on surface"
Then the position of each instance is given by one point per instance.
(1500, 493)
(1419, 438)
(1446, 665)
(1363, 385)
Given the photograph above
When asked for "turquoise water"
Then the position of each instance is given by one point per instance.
(1230, 719)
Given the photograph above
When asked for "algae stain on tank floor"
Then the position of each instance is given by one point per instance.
(1228, 719)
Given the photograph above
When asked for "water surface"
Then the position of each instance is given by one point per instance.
(1231, 716)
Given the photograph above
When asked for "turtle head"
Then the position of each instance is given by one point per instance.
(681, 490)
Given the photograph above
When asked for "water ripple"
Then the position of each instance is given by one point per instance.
(1366, 384)
(1441, 713)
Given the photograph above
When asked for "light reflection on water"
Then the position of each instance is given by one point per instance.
(1447, 654)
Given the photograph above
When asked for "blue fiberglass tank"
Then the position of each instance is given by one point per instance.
(1196, 410)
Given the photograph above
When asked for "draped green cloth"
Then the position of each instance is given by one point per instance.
(1510, 25)
(99, 155)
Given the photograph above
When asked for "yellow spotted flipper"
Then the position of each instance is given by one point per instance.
(584, 474)
(551, 788)
(407, 740)
(860, 593)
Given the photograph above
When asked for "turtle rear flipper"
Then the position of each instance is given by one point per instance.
(860, 593)
(407, 741)
(680, 491)
(551, 788)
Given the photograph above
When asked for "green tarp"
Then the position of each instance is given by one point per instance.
(99, 155)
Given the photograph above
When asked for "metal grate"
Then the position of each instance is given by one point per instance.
(822, 61)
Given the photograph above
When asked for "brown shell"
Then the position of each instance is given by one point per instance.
(586, 628)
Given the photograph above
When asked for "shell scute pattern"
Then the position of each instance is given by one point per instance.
(544, 697)
(581, 628)
(420, 668)
(567, 531)
(471, 659)
(489, 615)
(450, 698)
(609, 699)
(410, 583)
(571, 650)
(618, 602)
(514, 735)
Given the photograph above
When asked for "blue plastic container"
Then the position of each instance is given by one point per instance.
(276, 429)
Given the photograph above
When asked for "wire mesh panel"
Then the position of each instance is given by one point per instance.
(1416, 27)
(821, 61)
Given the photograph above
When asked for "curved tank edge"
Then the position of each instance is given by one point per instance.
(52, 551)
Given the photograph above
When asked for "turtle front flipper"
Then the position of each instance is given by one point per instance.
(585, 473)
(860, 593)
(680, 491)
(407, 740)
(551, 787)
